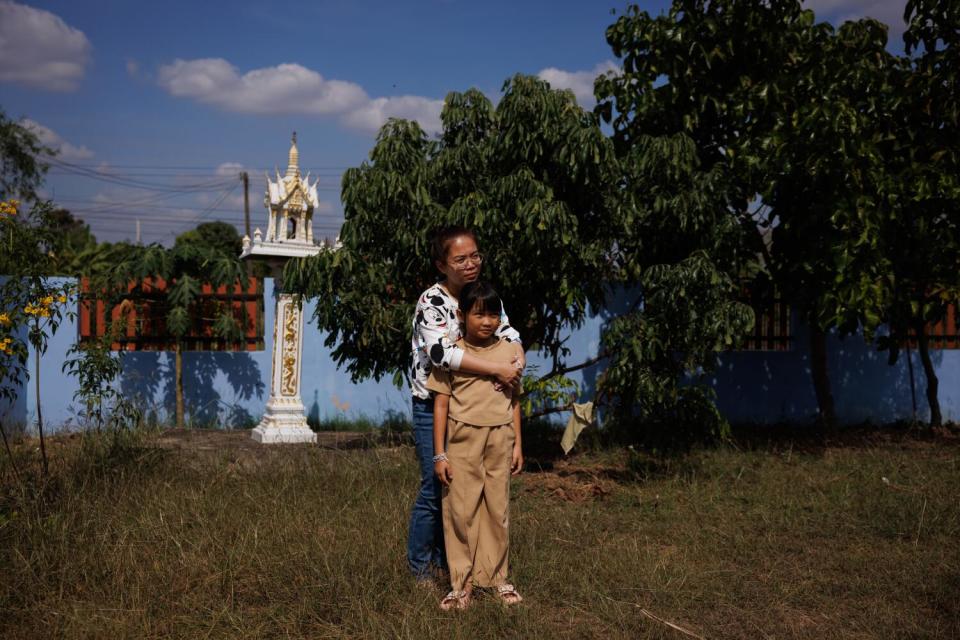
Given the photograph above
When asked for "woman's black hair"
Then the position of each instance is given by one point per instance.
(480, 292)
(441, 238)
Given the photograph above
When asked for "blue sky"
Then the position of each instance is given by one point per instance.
(177, 97)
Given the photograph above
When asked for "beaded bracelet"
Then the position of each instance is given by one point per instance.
(440, 457)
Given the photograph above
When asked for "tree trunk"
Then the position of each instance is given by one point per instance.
(821, 377)
(913, 384)
(36, 379)
(178, 373)
(13, 462)
(923, 344)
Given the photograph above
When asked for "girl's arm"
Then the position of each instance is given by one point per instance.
(441, 404)
(516, 465)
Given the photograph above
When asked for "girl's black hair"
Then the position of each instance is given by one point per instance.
(480, 292)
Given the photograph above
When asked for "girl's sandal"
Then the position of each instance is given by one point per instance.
(455, 600)
(508, 594)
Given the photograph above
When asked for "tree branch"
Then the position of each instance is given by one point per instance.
(549, 410)
(576, 367)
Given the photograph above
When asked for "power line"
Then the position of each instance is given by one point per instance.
(189, 167)
(155, 174)
(110, 216)
(115, 212)
(104, 176)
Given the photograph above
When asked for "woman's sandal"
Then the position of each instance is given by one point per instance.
(455, 600)
(508, 594)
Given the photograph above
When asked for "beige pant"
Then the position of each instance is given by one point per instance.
(476, 505)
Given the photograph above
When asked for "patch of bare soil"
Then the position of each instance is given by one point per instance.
(572, 482)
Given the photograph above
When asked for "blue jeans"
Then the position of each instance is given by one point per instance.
(425, 541)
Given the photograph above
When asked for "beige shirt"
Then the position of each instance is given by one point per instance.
(473, 398)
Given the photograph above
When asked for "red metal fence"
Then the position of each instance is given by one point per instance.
(773, 327)
(139, 323)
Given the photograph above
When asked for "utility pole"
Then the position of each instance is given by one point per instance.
(246, 201)
(138, 231)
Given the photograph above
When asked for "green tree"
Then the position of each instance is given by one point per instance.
(73, 239)
(32, 305)
(921, 231)
(96, 368)
(542, 186)
(219, 237)
(21, 170)
(208, 254)
(781, 111)
(534, 176)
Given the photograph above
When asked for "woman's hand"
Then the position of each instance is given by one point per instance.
(516, 463)
(444, 472)
(507, 374)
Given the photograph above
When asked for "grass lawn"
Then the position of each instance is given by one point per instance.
(784, 540)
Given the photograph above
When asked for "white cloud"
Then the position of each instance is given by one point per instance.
(889, 12)
(291, 89)
(372, 115)
(229, 169)
(580, 82)
(133, 67)
(50, 138)
(40, 50)
(286, 88)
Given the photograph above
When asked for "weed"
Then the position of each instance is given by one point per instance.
(298, 541)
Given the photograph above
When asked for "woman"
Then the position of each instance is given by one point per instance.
(435, 330)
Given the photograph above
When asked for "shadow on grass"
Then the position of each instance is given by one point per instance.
(816, 438)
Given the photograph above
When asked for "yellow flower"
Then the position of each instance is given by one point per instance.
(4, 320)
(47, 301)
(61, 299)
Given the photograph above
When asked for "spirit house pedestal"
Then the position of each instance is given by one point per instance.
(290, 201)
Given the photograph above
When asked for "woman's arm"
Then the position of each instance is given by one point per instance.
(516, 463)
(512, 336)
(472, 364)
(506, 373)
(431, 327)
(441, 405)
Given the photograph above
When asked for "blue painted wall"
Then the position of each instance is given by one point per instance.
(230, 389)
(225, 389)
(769, 387)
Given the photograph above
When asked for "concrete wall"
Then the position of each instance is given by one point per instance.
(230, 389)
(223, 389)
(776, 386)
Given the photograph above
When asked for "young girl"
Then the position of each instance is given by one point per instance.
(434, 345)
(476, 437)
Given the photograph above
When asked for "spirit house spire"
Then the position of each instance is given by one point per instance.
(290, 202)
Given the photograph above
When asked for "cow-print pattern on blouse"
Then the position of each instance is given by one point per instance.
(435, 330)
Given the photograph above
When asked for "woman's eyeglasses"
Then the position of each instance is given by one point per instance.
(461, 262)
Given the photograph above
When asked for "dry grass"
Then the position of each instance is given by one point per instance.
(305, 542)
